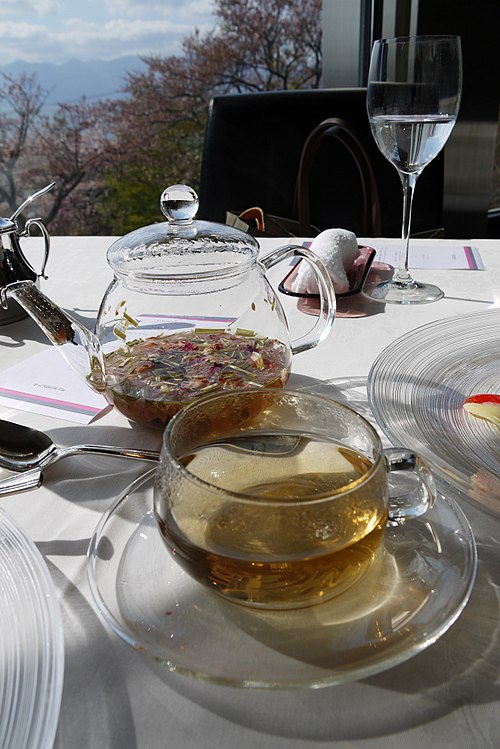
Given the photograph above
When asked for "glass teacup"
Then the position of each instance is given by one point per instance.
(289, 507)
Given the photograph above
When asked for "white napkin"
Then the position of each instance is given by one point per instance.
(338, 249)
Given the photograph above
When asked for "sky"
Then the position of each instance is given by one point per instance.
(60, 30)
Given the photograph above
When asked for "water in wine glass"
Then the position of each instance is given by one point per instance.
(410, 142)
(414, 88)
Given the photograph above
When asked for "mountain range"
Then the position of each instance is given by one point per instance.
(69, 81)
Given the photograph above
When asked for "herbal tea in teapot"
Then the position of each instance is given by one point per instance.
(149, 380)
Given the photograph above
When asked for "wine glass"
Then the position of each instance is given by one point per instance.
(414, 88)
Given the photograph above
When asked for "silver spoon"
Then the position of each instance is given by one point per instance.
(28, 451)
(23, 448)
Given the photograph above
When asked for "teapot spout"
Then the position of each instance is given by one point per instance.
(78, 345)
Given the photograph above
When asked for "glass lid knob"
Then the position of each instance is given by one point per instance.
(179, 204)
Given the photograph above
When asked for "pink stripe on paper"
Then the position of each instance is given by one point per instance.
(469, 256)
(53, 402)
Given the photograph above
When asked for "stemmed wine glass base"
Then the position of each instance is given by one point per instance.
(409, 292)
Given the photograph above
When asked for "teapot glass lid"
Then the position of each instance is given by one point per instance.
(182, 247)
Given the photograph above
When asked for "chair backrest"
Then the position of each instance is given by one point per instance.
(333, 127)
(252, 149)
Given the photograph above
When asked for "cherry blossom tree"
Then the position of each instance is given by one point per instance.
(22, 101)
(73, 148)
(78, 146)
(111, 160)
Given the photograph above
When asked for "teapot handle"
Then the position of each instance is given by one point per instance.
(46, 237)
(326, 293)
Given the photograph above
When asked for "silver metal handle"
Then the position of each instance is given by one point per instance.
(31, 198)
(46, 238)
(21, 482)
(108, 450)
(32, 478)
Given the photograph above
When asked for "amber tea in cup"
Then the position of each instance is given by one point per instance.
(267, 522)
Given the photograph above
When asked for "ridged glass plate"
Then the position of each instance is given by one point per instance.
(412, 593)
(31, 644)
(417, 388)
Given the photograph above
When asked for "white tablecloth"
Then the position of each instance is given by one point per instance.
(114, 697)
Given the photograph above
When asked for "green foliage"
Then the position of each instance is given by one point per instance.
(130, 200)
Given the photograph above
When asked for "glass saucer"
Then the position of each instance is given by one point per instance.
(417, 387)
(414, 591)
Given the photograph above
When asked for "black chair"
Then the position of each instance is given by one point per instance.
(252, 149)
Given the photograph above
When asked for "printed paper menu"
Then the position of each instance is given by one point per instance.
(46, 384)
(430, 255)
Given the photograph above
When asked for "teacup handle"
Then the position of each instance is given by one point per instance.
(411, 485)
(326, 317)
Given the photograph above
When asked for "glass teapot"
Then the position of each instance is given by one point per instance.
(189, 310)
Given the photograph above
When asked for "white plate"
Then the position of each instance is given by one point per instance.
(414, 591)
(417, 387)
(31, 644)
